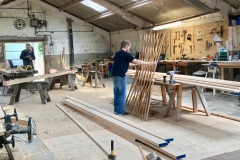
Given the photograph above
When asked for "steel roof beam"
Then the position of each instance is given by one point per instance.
(69, 4)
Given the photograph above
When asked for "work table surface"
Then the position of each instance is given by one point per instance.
(14, 73)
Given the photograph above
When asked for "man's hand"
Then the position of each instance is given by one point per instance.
(152, 63)
(30, 58)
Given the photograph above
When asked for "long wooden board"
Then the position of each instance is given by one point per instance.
(117, 117)
(119, 127)
(113, 123)
(83, 128)
(29, 79)
(197, 81)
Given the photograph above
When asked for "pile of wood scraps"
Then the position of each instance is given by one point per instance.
(138, 99)
(125, 128)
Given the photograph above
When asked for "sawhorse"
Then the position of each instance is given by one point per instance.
(176, 89)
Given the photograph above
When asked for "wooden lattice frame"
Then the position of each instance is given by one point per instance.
(138, 99)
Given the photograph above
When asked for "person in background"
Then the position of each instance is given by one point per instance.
(122, 61)
(28, 56)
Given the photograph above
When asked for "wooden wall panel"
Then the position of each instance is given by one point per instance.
(200, 46)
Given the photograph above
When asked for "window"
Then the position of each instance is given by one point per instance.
(94, 5)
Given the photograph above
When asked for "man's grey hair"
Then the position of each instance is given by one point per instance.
(28, 44)
(125, 43)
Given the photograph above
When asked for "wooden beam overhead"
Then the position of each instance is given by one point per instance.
(10, 3)
(125, 15)
(69, 4)
(125, 8)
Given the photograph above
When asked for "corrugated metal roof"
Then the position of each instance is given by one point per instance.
(57, 3)
(82, 11)
(234, 3)
(170, 10)
(157, 12)
(121, 3)
(113, 23)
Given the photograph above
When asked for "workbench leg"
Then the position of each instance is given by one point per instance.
(203, 100)
(40, 90)
(222, 75)
(170, 103)
(18, 95)
(96, 80)
(15, 90)
(86, 78)
(46, 95)
(186, 70)
(179, 103)
(174, 67)
(70, 81)
(163, 90)
(50, 83)
(61, 83)
(74, 84)
(194, 100)
(101, 80)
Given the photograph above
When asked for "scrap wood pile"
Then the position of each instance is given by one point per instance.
(138, 99)
(197, 81)
(124, 127)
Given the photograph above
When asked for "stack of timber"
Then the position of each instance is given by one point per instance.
(125, 128)
(138, 99)
(197, 81)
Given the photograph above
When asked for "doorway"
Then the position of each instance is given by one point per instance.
(13, 51)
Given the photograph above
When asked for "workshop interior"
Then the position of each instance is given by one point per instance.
(119, 79)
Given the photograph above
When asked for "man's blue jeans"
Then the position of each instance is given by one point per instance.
(119, 94)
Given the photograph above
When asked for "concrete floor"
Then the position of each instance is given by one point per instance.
(196, 135)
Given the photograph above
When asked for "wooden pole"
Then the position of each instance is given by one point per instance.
(84, 129)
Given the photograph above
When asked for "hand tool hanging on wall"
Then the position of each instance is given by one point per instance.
(174, 40)
(174, 49)
(221, 31)
(206, 46)
(189, 37)
(179, 35)
(184, 34)
(191, 48)
(176, 35)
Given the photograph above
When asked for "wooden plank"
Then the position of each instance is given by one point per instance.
(135, 135)
(113, 123)
(29, 79)
(83, 128)
(118, 118)
(168, 151)
(22, 119)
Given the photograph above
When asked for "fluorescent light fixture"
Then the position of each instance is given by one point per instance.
(174, 24)
(94, 5)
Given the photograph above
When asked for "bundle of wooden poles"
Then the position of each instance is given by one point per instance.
(138, 99)
(125, 128)
(218, 84)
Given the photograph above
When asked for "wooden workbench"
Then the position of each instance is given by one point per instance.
(13, 74)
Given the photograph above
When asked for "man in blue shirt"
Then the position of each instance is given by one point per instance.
(122, 60)
(27, 56)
